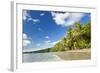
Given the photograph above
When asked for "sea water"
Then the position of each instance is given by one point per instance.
(40, 57)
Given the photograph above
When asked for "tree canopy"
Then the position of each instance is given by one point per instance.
(78, 37)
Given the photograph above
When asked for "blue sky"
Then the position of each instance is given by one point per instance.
(43, 29)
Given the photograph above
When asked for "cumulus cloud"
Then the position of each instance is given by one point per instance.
(59, 18)
(66, 19)
(74, 17)
(26, 40)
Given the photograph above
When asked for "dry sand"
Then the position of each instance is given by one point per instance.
(83, 54)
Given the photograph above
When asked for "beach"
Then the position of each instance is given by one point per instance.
(83, 54)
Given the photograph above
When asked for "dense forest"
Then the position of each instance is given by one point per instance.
(78, 36)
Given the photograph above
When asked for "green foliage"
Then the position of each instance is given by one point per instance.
(58, 47)
(78, 37)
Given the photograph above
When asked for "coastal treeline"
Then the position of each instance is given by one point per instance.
(77, 37)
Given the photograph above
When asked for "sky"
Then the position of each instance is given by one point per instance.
(43, 29)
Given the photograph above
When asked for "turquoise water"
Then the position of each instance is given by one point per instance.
(40, 57)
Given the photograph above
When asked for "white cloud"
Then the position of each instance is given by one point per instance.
(55, 42)
(33, 19)
(30, 19)
(26, 40)
(47, 37)
(74, 17)
(59, 18)
(42, 14)
(50, 43)
(24, 36)
(66, 19)
(25, 15)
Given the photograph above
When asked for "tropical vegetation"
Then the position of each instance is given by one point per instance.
(77, 37)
